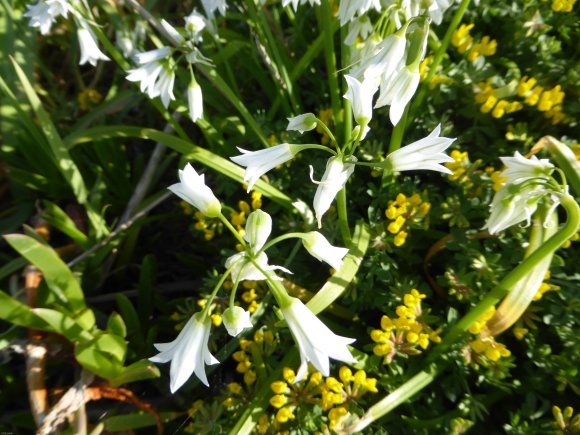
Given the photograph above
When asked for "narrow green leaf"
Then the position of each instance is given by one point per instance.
(191, 151)
(139, 420)
(116, 325)
(63, 324)
(137, 371)
(64, 162)
(56, 217)
(57, 275)
(129, 314)
(338, 283)
(20, 314)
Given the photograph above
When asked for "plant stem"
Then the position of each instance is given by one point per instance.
(343, 216)
(230, 227)
(427, 375)
(439, 55)
(326, 23)
(219, 284)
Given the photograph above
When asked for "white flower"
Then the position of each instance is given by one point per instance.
(302, 123)
(90, 51)
(172, 33)
(361, 27)
(519, 169)
(295, 3)
(360, 96)
(210, 6)
(236, 319)
(193, 190)
(258, 229)
(316, 342)
(156, 75)
(513, 204)
(44, 13)
(257, 163)
(321, 249)
(188, 353)
(425, 154)
(246, 270)
(349, 9)
(195, 100)
(194, 24)
(335, 177)
(399, 92)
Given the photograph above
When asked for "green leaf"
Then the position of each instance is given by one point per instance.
(56, 217)
(184, 147)
(129, 314)
(116, 325)
(63, 324)
(62, 158)
(338, 283)
(104, 355)
(137, 371)
(57, 275)
(139, 420)
(20, 314)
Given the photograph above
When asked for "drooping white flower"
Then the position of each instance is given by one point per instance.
(335, 177)
(295, 3)
(401, 89)
(188, 353)
(258, 229)
(195, 100)
(193, 190)
(349, 9)
(90, 51)
(236, 319)
(360, 96)
(246, 270)
(320, 248)
(302, 123)
(316, 342)
(194, 24)
(257, 163)
(210, 6)
(513, 204)
(156, 75)
(247, 264)
(519, 169)
(424, 154)
(45, 12)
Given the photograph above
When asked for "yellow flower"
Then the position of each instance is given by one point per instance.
(284, 414)
(488, 105)
(525, 85)
(500, 109)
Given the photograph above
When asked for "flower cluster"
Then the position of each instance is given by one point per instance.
(264, 344)
(464, 42)
(547, 101)
(545, 287)
(404, 213)
(406, 334)
(563, 5)
(487, 96)
(484, 349)
(290, 393)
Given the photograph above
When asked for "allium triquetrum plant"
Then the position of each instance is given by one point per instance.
(289, 217)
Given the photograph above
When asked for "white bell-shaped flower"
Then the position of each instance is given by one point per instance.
(188, 353)
(193, 190)
(236, 319)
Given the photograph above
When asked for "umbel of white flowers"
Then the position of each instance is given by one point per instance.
(517, 200)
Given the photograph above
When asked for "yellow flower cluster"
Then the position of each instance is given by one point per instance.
(496, 178)
(463, 41)
(485, 348)
(404, 212)
(264, 344)
(405, 334)
(437, 78)
(548, 101)
(89, 98)
(210, 227)
(250, 296)
(216, 310)
(485, 95)
(288, 395)
(566, 421)
(236, 396)
(238, 218)
(334, 395)
(545, 287)
(563, 5)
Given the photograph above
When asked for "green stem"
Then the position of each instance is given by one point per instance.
(281, 238)
(327, 131)
(326, 24)
(205, 311)
(426, 376)
(230, 227)
(399, 132)
(343, 216)
(439, 55)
